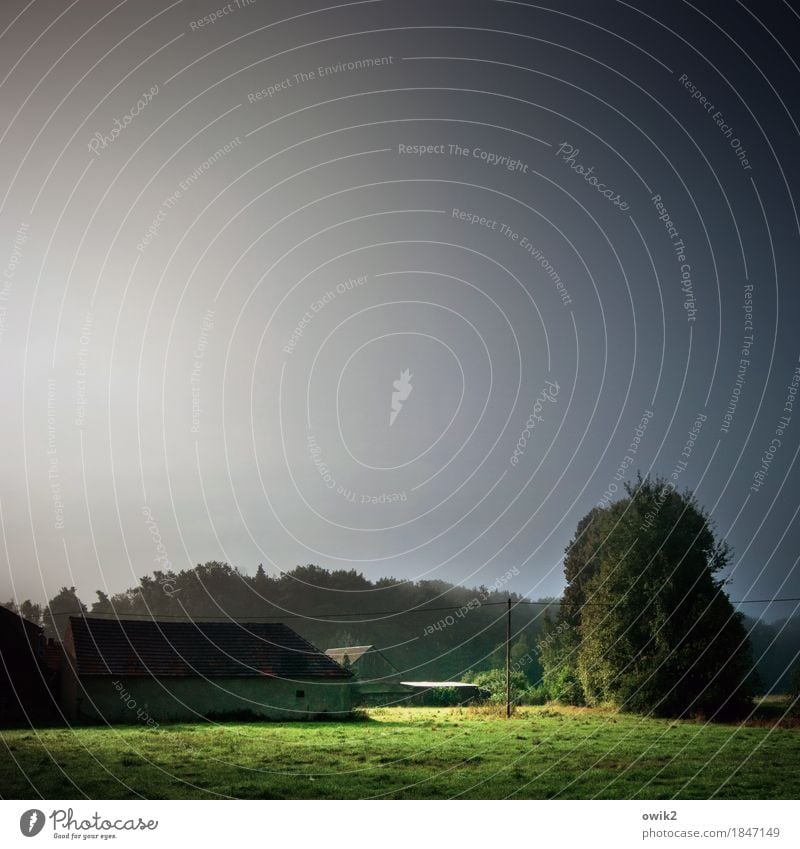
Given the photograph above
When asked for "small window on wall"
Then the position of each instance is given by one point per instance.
(300, 694)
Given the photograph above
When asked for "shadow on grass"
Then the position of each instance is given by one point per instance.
(239, 717)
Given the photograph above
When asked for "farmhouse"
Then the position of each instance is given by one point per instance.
(377, 679)
(25, 679)
(151, 671)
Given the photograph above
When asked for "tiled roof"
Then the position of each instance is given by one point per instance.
(185, 649)
(10, 619)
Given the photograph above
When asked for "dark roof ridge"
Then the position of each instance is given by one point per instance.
(109, 646)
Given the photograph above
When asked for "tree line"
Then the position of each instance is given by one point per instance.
(644, 624)
(428, 629)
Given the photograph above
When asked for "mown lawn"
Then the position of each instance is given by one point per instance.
(541, 753)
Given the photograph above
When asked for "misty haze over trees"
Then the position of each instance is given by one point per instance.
(411, 630)
(644, 623)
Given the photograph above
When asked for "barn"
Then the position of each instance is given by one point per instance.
(377, 678)
(25, 693)
(125, 671)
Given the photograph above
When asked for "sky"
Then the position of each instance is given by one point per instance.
(405, 287)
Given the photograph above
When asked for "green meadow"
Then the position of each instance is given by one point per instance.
(540, 753)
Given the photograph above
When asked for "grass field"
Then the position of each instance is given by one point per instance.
(541, 753)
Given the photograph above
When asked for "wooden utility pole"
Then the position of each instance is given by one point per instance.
(508, 660)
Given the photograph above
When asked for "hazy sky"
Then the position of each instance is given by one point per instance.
(392, 285)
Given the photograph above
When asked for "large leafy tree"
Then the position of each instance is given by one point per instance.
(558, 655)
(654, 630)
(559, 646)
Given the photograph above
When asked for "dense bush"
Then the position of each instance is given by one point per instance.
(494, 682)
